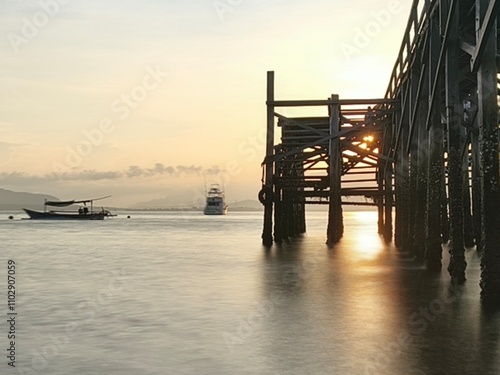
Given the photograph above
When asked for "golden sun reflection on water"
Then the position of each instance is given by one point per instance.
(364, 240)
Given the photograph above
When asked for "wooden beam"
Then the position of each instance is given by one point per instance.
(327, 102)
(444, 46)
(296, 150)
(483, 33)
(413, 114)
(466, 46)
(364, 152)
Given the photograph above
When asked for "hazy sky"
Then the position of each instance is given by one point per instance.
(148, 99)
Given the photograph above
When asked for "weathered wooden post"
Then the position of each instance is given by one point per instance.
(421, 134)
(398, 184)
(267, 235)
(476, 186)
(403, 173)
(465, 146)
(388, 184)
(433, 249)
(380, 196)
(454, 113)
(412, 149)
(445, 222)
(335, 221)
(287, 214)
(301, 211)
(468, 221)
(485, 60)
(278, 206)
(445, 219)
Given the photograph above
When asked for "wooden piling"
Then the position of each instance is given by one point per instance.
(267, 235)
(380, 197)
(454, 113)
(403, 173)
(412, 149)
(421, 154)
(388, 189)
(476, 187)
(278, 207)
(488, 145)
(433, 249)
(468, 221)
(445, 218)
(335, 227)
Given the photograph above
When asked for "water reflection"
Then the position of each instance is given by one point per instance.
(362, 307)
(338, 303)
(365, 242)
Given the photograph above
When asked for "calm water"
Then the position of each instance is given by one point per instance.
(177, 293)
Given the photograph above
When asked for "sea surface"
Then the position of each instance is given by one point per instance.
(183, 293)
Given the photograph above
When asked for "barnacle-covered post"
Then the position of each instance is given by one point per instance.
(335, 220)
(433, 249)
(454, 114)
(267, 191)
(484, 59)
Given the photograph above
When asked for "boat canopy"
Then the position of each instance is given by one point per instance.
(59, 203)
(69, 203)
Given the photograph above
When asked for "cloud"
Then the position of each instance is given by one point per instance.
(133, 171)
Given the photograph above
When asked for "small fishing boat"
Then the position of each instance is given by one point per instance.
(216, 204)
(83, 213)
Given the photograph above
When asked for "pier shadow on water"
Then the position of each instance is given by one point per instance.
(363, 307)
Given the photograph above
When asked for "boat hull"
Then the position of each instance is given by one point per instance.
(37, 215)
(215, 212)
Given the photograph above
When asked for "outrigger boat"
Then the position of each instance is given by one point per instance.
(83, 213)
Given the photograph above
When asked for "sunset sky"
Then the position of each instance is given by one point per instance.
(149, 99)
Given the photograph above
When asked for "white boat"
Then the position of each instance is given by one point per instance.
(216, 204)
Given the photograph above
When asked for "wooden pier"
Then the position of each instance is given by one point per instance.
(427, 151)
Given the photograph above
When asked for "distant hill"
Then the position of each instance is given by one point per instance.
(13, 200)
(247, 204)
(173, 200)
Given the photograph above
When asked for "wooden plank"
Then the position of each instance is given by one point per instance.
(327, 102)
